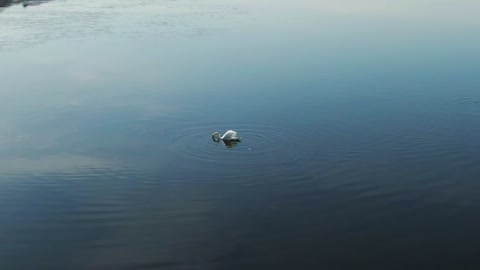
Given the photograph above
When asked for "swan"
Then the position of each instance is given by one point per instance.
(230, 135)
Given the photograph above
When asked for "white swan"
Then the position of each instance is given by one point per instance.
(230, 135)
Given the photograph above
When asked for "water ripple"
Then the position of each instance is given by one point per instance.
(265, 150)
(81, 19)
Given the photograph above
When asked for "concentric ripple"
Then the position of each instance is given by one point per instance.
(196, 143)
(263, 150)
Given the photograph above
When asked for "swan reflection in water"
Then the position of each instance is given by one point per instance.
(230, 144)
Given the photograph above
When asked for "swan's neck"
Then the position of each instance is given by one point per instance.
(216, 136)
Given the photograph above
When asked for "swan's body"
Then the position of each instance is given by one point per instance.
(230, 135)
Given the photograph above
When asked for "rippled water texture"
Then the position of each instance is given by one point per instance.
(80, 20)
(360, 129)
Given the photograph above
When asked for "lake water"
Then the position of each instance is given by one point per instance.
(360, 126)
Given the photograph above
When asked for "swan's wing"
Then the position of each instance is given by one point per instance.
(234, 135)
(229, 135)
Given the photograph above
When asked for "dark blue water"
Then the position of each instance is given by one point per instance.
(360, 127)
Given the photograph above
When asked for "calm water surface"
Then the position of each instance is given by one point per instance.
(360, 126)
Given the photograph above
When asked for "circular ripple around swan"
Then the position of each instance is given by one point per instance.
(256, 140)
(265, 150)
